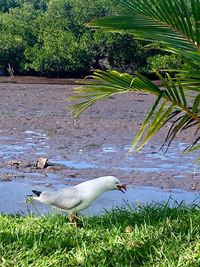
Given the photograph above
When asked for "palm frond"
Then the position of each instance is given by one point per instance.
(104, 84)
(190, 79)
(168, 22)
(157, 122)
(171, 103)
(174, 26)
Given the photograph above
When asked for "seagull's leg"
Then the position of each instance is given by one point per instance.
(77, 220)
(71, 218)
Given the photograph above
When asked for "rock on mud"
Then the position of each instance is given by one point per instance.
(41, 163)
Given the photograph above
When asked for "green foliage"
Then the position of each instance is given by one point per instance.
(5, 5)
(149, 236)
(164, 62)
(11, 49)
(59, 53)
(17, 33)
(55, 41)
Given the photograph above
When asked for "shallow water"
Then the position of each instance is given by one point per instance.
(114, 157)
(34, 142)
(13, 197)
(149, 160)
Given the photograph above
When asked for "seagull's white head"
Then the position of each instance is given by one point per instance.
(113, 183)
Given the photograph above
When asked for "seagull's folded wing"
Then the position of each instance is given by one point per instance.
(67, 198)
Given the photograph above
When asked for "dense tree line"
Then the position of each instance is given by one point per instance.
(49, 37)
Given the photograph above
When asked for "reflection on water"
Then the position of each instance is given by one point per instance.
(149, 160)
(78, 165)
(33, 141)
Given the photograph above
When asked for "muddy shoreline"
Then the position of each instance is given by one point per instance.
(36, 122)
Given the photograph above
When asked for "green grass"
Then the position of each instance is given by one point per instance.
(150, 236)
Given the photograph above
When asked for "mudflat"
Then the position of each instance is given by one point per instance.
(35, 121)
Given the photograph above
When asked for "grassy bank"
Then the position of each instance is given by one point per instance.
(149, 236)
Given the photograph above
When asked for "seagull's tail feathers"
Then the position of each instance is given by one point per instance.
(37, 193)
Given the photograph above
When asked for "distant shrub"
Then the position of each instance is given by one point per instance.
(49, 37)
(164, 62)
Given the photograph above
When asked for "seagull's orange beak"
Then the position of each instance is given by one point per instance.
(122, 187)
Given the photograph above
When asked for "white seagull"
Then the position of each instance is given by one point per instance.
(76, 198)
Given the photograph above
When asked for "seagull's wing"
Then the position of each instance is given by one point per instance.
(67, 198)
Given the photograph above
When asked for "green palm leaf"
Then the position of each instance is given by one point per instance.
(168, 22)
(108, 83)
(173, 25)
